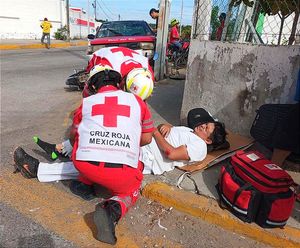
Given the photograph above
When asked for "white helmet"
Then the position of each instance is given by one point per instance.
(139, 82)
(109, 76)
(98, 68)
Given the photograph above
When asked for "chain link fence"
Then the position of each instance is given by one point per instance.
(269, 22)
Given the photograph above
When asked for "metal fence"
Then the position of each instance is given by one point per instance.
(271, 22)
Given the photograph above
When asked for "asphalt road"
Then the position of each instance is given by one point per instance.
(32, 214)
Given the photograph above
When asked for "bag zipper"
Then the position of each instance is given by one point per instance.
(262, 174)
(259, 181)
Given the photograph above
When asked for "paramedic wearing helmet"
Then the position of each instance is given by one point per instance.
(137, 79)
(174, 38)
(124, 61)
(110, 126)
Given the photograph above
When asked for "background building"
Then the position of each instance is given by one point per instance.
(79, 25)
(21, 19)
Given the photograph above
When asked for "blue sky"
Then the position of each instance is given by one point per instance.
(136, 9)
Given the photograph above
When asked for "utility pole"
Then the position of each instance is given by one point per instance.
(88, 15)
(94, 4)
(68, 20)
(181, 18)
(60, 12)
(161, 39)
(119, 17)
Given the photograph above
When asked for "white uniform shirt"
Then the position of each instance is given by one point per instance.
(155, 161)
(121, 59)
(110, 129)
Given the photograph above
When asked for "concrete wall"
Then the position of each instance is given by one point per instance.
(233, 80)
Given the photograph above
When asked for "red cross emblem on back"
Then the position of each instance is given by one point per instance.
(124, 50)
(110, 111)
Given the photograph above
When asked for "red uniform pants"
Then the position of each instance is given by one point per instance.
(122, 181)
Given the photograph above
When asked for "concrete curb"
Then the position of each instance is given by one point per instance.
(208, 210)
(39, 46)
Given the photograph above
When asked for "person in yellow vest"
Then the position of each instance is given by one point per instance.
(46, 26)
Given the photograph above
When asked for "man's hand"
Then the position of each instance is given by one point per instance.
(164, 129)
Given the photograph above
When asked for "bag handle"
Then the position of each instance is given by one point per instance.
(239, 191)
(188, 175)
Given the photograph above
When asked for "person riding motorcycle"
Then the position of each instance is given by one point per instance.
(174, 38)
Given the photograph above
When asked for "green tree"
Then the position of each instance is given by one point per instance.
(235, 3)
(61, 33)
(214, 22)
(282, 7)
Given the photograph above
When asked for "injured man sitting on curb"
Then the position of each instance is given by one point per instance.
(172, 146)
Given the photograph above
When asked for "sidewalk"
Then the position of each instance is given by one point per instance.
(13, 44)
(164, 188)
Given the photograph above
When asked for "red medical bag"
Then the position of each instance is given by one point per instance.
(255, 189)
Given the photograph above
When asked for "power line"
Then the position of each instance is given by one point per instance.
(103, 11)
(108, 8)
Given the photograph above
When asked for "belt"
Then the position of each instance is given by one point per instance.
(106, 164)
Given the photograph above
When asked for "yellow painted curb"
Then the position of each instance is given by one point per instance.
(57, 211)
(39, 46)
(209, 210)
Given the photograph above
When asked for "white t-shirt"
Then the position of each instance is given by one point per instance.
(154, 160)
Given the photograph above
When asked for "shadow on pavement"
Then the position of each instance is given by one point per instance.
(89, 221)
(166, 99)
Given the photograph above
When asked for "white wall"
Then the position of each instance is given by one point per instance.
(21, 19)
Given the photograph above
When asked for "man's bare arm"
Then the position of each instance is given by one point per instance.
(172, 153)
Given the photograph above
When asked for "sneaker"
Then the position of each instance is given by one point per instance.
(21, 158)
(49, 148)
(106, 217)
(84, 191)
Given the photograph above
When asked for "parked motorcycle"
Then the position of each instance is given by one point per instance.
(177, 58)
(78, 79)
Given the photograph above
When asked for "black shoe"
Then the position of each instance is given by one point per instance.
(84, 191)
(21, 158)
(49, 148)
(106, 216)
